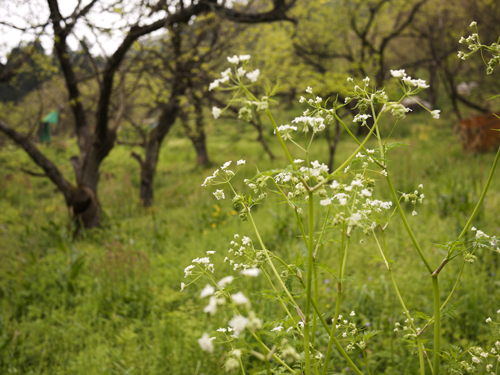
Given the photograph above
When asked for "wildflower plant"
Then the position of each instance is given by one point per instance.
(344, 201)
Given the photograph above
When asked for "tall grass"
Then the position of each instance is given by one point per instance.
(109, 302)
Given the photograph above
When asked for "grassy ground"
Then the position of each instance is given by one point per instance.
(109, 303)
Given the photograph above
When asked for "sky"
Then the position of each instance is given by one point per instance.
(26, 13)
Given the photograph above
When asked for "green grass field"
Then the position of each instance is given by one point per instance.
(110, 302)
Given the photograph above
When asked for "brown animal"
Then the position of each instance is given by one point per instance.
(477, 134)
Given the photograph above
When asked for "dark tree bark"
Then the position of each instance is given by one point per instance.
(181, 82)
(95, 143)
(196, 133)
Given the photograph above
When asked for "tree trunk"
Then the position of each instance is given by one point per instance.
(153, 145)
(197, 135)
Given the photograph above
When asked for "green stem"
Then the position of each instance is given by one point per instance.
(279, 298)
(454, 286)
(276, 358)
(266, 252)
(401, 301)
(437, 324)
(407, 226)
(337, 302)
(481, 198)
(308, 286)
(366, 362)
(315, 274)
(243, 368)
(348, 160)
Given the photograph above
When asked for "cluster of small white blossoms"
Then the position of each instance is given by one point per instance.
(205, 264)
(368, 159)
(418, 83)
(246, 251)
(481, 239)
(480, 357)
(351, 332)
(414, 197)
(221, 176)
(475, 45)
(406, 328)
(236, 77)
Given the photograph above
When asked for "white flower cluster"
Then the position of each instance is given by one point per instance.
(361, 118)
(285, 131)
(419, 83)
(239, 74)
(483, 240)
(221, 176)
(317, 124)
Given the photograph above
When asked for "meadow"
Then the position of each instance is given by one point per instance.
(109, 302)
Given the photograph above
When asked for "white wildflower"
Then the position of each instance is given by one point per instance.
(253, 76)
(211, 307)
(207, 291)
(309, 90)
(206, 343)
(219, 194)
(225, 281)
(216, 112)
(352, 313)
(240, 162)
(239, 298)
(435, 113)
(238, 323)
(473, 24)
(182, 286)
(233, 60)
(245, 57)
(253, 272)
(187, 270)
(213, 85)
(277, 329)
(398, 73)
(325, 202)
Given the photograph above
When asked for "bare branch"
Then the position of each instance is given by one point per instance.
(50, 168)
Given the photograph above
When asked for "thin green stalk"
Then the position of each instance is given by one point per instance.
(401, 301)
(407, 226)
(337, 302)
(243, 368)
(420, 355)
(315, 274)
(346, 162)
(268, 368)
(454, 286)
(276, 358)
(437, 324)
(481, 198)
(377, 129)
(282, 142)
(279, 298)
(315, 306)
(366, 362)
(275, 271)
(308, 286)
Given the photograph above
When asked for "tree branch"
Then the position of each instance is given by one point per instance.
(51, 171)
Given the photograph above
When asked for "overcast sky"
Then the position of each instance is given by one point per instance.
(25, 13)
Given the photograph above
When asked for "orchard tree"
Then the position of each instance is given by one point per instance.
(96, 134)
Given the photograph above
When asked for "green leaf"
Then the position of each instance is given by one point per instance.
(390, 146)
(423, 316)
